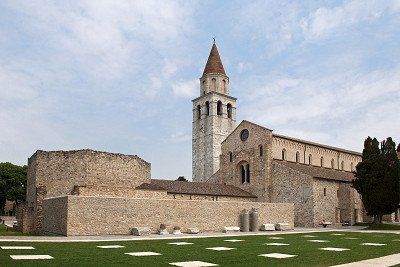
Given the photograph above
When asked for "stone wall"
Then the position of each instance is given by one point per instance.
(55, 215)
(326, 207)
(106, 215)
(106, 191)
(290, 186)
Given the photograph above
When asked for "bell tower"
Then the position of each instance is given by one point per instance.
(214, 118)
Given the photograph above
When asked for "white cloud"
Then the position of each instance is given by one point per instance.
(325, 20)
(186, 88)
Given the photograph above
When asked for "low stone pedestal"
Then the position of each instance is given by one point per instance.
(139, 231)
(177, 232)
(282, 226)
(267, 227)
(163, 232)
(193, 231)
(231, 229)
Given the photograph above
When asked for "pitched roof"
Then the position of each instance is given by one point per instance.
(318, 172)
(195, 188)
(214, 63)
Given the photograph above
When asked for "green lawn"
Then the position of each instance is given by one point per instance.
(246, 254)
(5, 232)
(379, 226)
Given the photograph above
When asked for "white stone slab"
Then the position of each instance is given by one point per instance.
(31, 257)
(193, 264)
(396, 240)
(16, 247)
(334, 249)
(220, 248)
(277, 255)
(373, 244)
(276, 244)
(318, 241)
(352, 238)
(111, 246)
(267, 227)
(337, 234)
(275, 237)
(233, 240)
(181, 243)
(144, 253)
(309, 236)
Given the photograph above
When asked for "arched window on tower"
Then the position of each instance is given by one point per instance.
(322, 161)
(219, 108)
(214, 84)
(207, 108)
(342, 166)
(310, 159)
(261, 150)
(283, 154)
(297, 156)
(224, 85)
(332, 163)
(198, 112)
(229, 110)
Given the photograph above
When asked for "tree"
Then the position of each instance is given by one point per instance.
(377, 178)
(182, 178)
(12, 183)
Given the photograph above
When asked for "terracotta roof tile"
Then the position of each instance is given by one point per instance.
(319, 172)
(196, 188)
(214, 63)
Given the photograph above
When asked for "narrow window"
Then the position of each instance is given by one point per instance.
(243, 174)
(283, 154)
(322, 161)
(248, 173)
(224, 85)
(324, 192)
(230, 156)
(342, 165)
(333, 163)
(198, 112)
(207, 108)
(214, 84)
(297, 156)
(229, 110)
(261, 151)
(219, 108)
(309, 159)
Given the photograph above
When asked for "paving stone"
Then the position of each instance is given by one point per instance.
(181, 243)
(373, 244)
(337, 234)
(334, 249)
(233, 240)
(277, 255)
(220, 248)
(31, 257)
(144, 253)
(276, 244)
(352, 238)
(16, 247)
(318, 241)
(396, 240)
(111, 246)
(275, 237)
(309, 236)
(193, 264)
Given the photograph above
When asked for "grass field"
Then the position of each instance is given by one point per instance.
(379, 226)
(4, 232)
(245, 254)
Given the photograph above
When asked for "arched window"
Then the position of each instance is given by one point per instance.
(261, 150)
(224, 85)
(352, 166)
(243, 173)
(310, 159)
(219, 108)
(198, 112)
(207, 108)
(322, 161)
(297, 156)
(244, 169)
(230, 156)
(333, 163)
(247, 173)
(325, 192)
(229, 110)
(283, 154)
(342, 166)
(214, 84)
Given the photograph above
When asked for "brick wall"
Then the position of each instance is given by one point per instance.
(106, 215)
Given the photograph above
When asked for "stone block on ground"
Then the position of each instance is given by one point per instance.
(231, 229)
(267, 227)
(177, 232)
(193, 230)
(163, 232)
(139, 231)
(282, 226)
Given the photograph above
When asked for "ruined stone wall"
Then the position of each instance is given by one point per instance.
(55, 215)
(290, 186)
(317, 152)
(248, 152)
(106, 215)
(326, 207)
(210, 198)
(118, 192)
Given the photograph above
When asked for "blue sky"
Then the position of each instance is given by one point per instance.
(119, 76)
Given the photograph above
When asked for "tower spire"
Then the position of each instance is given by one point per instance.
(214, 63)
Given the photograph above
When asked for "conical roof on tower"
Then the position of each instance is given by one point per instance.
(214, 63)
